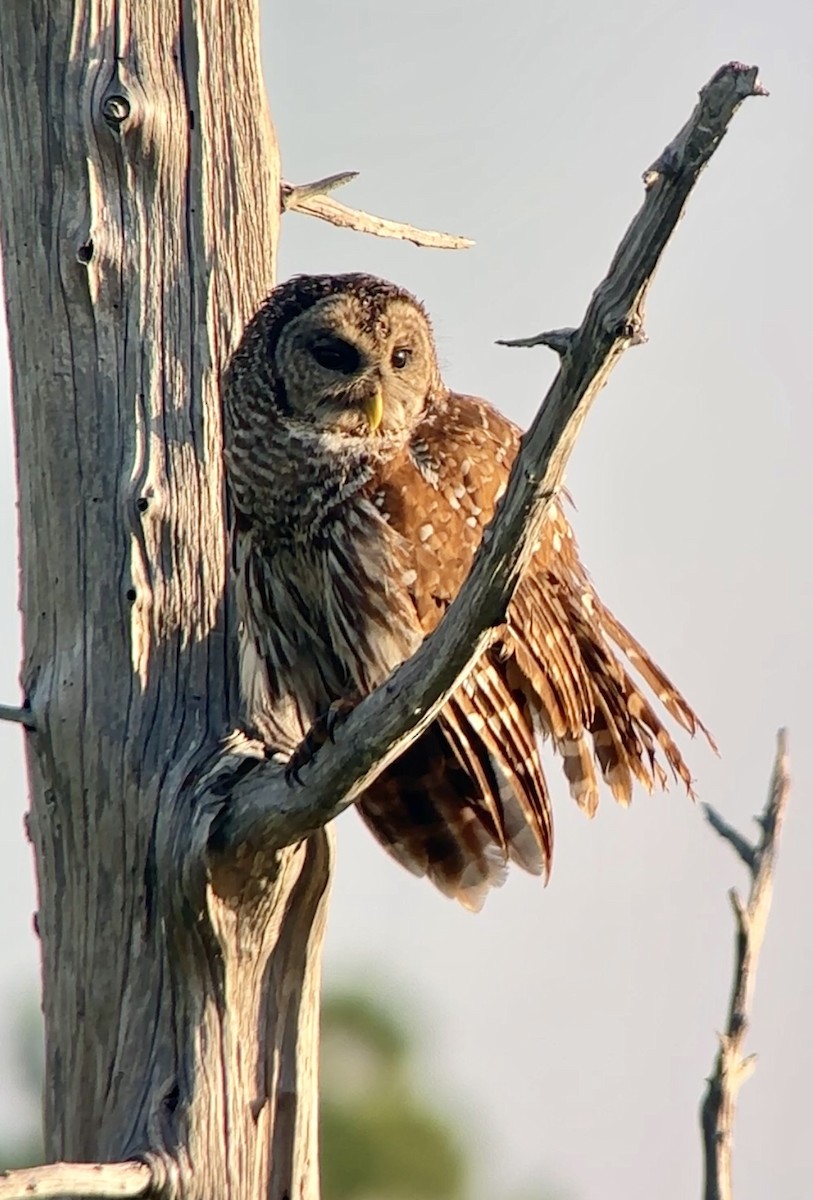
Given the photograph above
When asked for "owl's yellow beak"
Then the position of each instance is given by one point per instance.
(373, 408)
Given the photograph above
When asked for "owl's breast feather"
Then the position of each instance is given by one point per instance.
(326, 614)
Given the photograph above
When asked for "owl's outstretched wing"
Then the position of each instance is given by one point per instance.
(471, 793)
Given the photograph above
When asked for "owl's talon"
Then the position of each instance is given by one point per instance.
(292, 776)
(337, 714)
(321, 731)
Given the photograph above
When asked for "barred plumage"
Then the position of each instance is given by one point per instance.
(360, 488)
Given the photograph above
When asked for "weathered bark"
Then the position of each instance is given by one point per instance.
(139, 223)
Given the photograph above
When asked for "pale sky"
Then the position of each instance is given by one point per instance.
(574, 1025)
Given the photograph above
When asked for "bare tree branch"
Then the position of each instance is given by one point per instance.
(292, 194)
(731, 1069)
(17, 714)
(262, 810)
(311, 199)
(560, 340)
(739, 844)
(78, 1179)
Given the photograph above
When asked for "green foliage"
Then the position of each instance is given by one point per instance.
(379, 1136)
(394, 1150)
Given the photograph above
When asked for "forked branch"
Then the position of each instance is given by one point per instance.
(313, 200)
(730, 1068)
(261, 808)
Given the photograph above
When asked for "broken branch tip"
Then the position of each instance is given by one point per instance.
(559, 340)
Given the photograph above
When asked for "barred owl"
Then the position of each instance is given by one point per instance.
(360, 487)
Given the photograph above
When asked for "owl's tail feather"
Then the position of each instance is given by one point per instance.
(457, 808)
(469, 796)
(502, 719)
(517, 804)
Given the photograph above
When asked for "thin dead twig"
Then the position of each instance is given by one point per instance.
(17, 715)
(312, 200)
(731, 1069)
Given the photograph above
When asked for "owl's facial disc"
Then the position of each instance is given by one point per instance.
(352, 383)
(346, 373)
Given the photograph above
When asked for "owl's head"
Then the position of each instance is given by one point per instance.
(345, 354)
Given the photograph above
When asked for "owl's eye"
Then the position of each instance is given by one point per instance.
(336, 355)
(400, 357)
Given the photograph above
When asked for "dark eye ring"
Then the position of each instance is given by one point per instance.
(400, 357)
(336, 355)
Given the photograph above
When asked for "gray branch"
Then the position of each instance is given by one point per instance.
(78, 1179)
(292, 195)
(261, 809)
(560, 340)
(741, 846)
(730, 1068)
(313, 200)
(17, 715)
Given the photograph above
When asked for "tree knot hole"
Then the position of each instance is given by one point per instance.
(115, 110)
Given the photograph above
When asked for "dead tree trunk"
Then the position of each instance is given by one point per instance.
(139, 236)
(141, 204)
(181, 938)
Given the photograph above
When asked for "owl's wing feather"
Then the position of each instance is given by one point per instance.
(554, 672)
(425, 810)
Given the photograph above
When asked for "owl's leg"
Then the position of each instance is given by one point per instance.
(321, 731)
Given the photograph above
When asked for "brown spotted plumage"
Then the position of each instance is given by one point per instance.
(360, 488)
